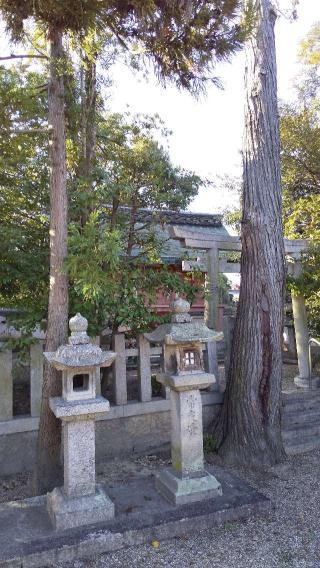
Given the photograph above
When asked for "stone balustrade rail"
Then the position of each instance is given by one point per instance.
(121, 405)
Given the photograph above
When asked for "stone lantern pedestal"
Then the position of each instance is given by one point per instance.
(80, 501)
(187, 480)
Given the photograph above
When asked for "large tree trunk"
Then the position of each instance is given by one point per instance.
(248, 429)
(48, 463)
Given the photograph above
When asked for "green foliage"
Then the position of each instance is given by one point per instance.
(183, 40)
(135, 168)
(23, 192)
(209, 444)
(114, 262)
(300, 136)
(224, 289)
(310, 46)
(114, 288)
(233, 186)
(156, 386)
(300, 154)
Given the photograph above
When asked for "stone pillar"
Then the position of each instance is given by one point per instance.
(213, 368)
(186, 481)
(96, 341)
(211, 310)
(290, 351)
(302, 342)
(80, 501)
(79, 457)
(120, 370)
(6, 384)
(212, 288)
(36, 377)
(144, 370)
(186, 435)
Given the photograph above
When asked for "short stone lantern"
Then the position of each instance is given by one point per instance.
(184, 374)
(80, 501)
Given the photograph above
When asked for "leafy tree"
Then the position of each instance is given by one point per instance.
(300, 130)
(224, 289)
(310, 48)
(24, 200)
(183, 40)
(117, 282)
(300, 137)
(109, 252)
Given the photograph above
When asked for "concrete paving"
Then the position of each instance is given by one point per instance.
(27, 538)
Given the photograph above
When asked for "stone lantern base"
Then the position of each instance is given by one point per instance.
(305, 383)
(182, 490)
(67, 513)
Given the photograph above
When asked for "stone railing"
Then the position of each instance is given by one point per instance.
(121, 406)
(6, 371)
(314, 353)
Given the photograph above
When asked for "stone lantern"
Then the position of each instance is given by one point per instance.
(80, 501)
(184, 374)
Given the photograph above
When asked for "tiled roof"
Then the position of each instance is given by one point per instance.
(173, 251)
(179, 218)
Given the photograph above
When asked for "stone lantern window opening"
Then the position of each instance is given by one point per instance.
(190, 360)
(78, 385)
(81, 382)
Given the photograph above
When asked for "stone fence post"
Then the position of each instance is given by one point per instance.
(36, 377)
(144, 369)
(6, 383)
(120, 370)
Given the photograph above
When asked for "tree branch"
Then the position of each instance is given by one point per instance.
(12, 56)
(27, 131)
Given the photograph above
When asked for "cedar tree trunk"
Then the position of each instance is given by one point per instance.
(48, 464)
(248, 429)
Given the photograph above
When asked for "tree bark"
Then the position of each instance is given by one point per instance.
(48, 463)
(248, 430)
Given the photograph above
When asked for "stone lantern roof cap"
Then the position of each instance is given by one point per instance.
(182, 329)
(79, 352)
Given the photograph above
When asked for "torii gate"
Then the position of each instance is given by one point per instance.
(212, 244)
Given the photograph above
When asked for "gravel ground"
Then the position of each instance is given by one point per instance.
(288, 538)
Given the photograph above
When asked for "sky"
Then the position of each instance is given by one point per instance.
(207, 133)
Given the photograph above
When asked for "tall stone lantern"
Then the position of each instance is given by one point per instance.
(80, 501)
(184, 374)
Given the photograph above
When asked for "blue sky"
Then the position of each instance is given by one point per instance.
(207, 133)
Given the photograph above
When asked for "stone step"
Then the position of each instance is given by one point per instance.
(300, 417)
(300, 394)
(301, 421)
(299, 432)
(301, 403)
(306, 445)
